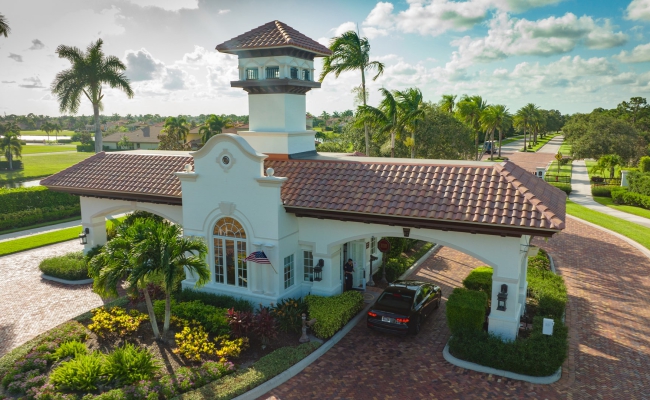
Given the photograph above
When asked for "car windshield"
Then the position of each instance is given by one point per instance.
(396, 300)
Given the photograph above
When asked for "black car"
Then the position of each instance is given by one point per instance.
(403, 306)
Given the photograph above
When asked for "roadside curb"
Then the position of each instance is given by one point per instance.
(629, 241)
(67, 282)
(542, 380)
(419, 262)
(305, 362)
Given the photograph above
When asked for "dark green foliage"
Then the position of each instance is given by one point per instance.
(21, 219)
(537, 355)
(20, 199)
(480, 279)
(288, 314)
(547, 289)
(69, 349)
(624, 196)
(396, 266)
(85, 148)
(129, 364)
(466, 310)
(639, 182)
(332, 313)
(72, 267)
(213, 319)
(215, 300)
(16, 165)
(565, 187)
(602, 191)
(83, 372)
(540, 261)
(644, 164)
(595, 135)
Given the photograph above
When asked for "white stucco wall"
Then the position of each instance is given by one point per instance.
(284, 62)
(277, 112)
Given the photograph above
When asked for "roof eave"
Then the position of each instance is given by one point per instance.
(224, 49)
(114, 195)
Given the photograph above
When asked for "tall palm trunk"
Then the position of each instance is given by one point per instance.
(152, 315)
(500, 138)
(392, 144)
(525, 147)
(98, 133)
(365, 125)
(413, 143)
(168, 313)
(478, 151)
(9, 157)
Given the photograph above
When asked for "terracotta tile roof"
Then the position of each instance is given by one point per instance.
(502, 195)
(273, 34)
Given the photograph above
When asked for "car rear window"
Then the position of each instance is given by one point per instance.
(396, 300)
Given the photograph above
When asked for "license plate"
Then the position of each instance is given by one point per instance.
(387, 319)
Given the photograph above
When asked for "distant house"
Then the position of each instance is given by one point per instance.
(309, 121)
(194, 137)
(144, 138)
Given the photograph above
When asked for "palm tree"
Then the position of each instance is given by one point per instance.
(493, 118)
(385, 116)
(325, 117)
(213, 125)
(411, 109)
(469, 110)
(10, 145)
(90, 70)
(4, 26)
(177, 126)
(352, 53)
(168, 254)
(538, 124)
(56, 128)
(448, 103)
(47, 127)
(524, 118)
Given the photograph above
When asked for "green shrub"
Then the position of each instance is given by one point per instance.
(639, 182)
(565, 187)
(20, 199)
(83, 372)
(466, 310)
(625, 196)
(48, 341)
(540, 261)
(116, 320)
(15, 165)
(602, 191)
(21, 219)
(215, 300)
(129, 364)
(288, 314)
(396, 266)
(644, 164)
(85, 148)
(537, 355)
(69, 349)
(480, 279)
(264, 369)
(549, 291)
(212, 318)
(73, 266)
(332, 313)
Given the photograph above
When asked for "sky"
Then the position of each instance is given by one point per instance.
(569, 55)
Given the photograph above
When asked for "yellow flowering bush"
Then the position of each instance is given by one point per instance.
(116, 320)
(193, 342)
(230, 348)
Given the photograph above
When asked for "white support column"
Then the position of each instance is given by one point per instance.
(96, 235)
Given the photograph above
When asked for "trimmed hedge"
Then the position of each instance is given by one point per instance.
(16, 165)
(265, 368)
(72, 267)
(602, 191)
(624, 196)
(398, 265)
(466, 310)
(537, 355)
(332, 313)
(565, 187)
(213, 319)
(214, 300)
(480, 279)
(644, 164)
(33, 216)
(20, 199)
(85, 148)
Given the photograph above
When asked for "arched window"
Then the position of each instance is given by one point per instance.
(230, 253)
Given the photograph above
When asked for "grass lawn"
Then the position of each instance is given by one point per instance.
(39, 167)
(43, 239)
(25, 228)
(638, 233)
(607, 201)
(34, 149)
(592, 163)
(43, 133)
(542, 142)
(565, 149)
(564, 169)
(509, 140)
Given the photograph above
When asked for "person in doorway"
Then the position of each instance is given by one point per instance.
(348, 269)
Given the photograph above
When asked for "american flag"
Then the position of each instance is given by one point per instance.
(258, 257)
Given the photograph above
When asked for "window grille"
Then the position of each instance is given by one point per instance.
(272, 72)
(289, 272)
(308, 264)
(230, 266)
(294, 73)
(252, 74)
(305, 75)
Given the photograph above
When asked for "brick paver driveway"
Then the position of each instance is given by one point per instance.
(608, 314)
(30, 305)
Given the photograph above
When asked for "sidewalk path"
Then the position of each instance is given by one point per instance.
(43, 229)
(553, 145)
(581, 194)
(49, 154)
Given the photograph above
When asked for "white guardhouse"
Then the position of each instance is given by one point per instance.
(268, 189)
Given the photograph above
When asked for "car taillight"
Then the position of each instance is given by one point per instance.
(402, 320)
(372, 314)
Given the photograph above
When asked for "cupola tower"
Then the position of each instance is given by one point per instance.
(276, 68)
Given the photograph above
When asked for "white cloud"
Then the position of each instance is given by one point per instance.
(221, 12)
(640, 53)
(545, 37)
(638, 10)
(174, 79)
(141, 66)
(170, 5)
(32, 83)
(16, 57)
(36, 45)
(344, 27)
(523, 5)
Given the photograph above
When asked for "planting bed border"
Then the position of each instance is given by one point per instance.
(67, 282)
